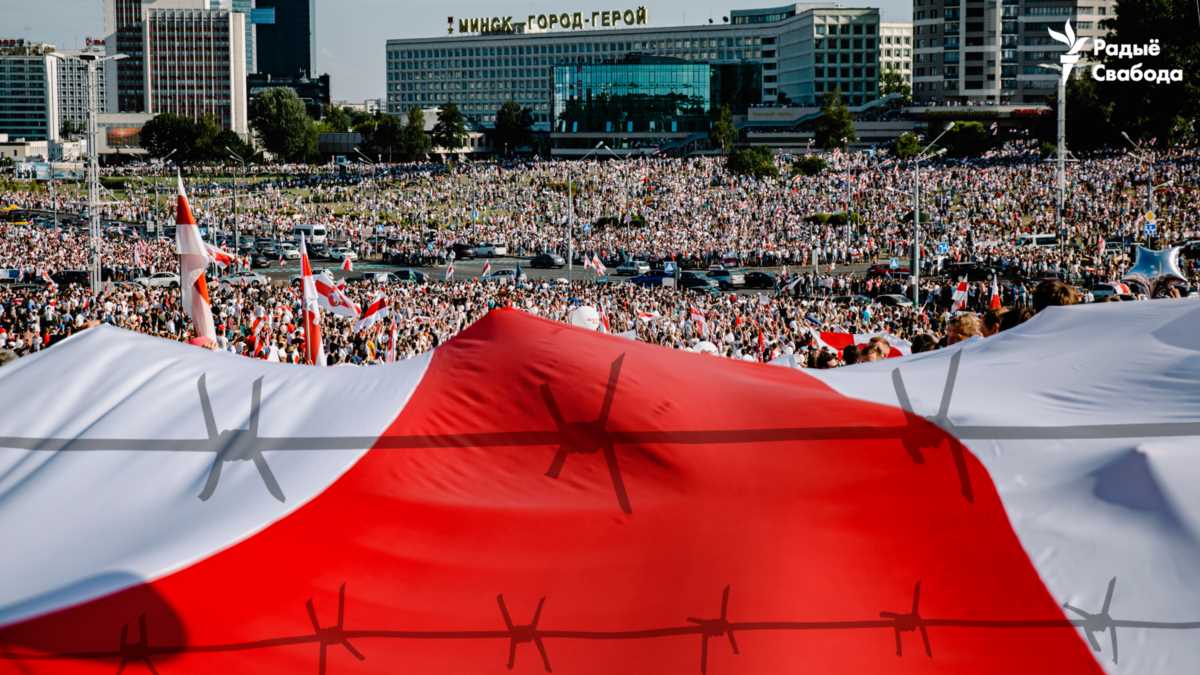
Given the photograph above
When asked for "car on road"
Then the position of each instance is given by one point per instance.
(1102, 291)
(489, 250)
(463, 251)
(342, 253)
(403, 276)
(503, 276)
(694, 281)
(727, 279)
(548, 261)
(652, 278)
(760, 280)
(631, 268)
(893, 300)
(850, 300)
(243, 279)
(289, 251)
(159, 280)
(259, 261)
(884, 270)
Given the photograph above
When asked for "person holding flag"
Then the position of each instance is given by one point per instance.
(995, 302)
(314, 352)
(193, 260)
(960, 296)
(347, 264)
(377, 310)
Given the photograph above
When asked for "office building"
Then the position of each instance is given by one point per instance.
(989, 51)
(123, 35)
(29, 107)
(73, 86)
(195, 61)
(801, 50)
(287, 47)
(246, 9)
(895, 48)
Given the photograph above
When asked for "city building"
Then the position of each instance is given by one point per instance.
(314, 91)
(288, 46)
(895, 48)
(801, 50)
(990, 51)
(29, 108)
(125, 79)
(73, 85)
(369, 106)
(195, 61)
(246, 9)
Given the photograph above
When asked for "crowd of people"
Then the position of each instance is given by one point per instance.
(691, 211)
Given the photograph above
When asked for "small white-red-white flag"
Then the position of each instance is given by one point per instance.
(314, 351)
(487, 267)
(960, 296)
(449, 272)
(391, 350)
(598, 266)
(347, 264)
(700, 320)
(220, 257)
(995, 302)
(193, 260)
(378, 309)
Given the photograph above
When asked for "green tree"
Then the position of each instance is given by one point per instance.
(757, 162)
(967, 139)
(835, 127)
(71, 129)
(1166, 112)
(514, 127)
(809, 165)
(892, 82)
(387, 140)
(723, 134)
(166, 133)
(415, 141)
(337, 119)
(279, 118)
(227, 140)
(906, 146)
(206, 149)
(450, 132)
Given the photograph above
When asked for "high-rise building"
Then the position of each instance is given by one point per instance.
(73, 86)
(246, 8)
(895, 48)
(195, 61)
(123, 35)
(989, 51)
(28, 91)
(288, 47)
(803, 50)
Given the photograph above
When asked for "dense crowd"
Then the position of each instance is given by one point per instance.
(689, 210)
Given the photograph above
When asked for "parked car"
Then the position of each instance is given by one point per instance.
(80, 277)
(850, 300)
(548, 261)
(342, 253)
(503, 276)
(631, 268)
(652, 278)
(289, 251)
(160, 280)
(259, 261)
(245, 279)
(491, 250)
(728, 280)
(760, 280)
(882, 270)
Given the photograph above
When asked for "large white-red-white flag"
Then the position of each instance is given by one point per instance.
(193, 261)
(314, 350)
(332, 296)
(534, 494)
(959, 298)
(220, 257)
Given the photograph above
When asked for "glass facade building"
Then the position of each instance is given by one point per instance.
(287, 48)
(653, 96)
(29, 92)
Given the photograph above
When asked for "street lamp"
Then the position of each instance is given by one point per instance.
(571, 209)
(161, 161)
(92, 61)
(916, 257)
(1061, 145)
(237, 231)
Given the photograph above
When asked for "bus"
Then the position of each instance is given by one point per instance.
(313, 234)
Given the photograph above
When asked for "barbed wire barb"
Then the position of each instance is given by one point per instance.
(909, 622)
(522, 633)
(136, 651)
(1100, 621)
(332, 635)
(234, 445)
(715, 628)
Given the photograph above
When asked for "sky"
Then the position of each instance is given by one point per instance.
(352, 34)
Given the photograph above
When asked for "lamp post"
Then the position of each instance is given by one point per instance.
(92, 61)
(374, 176)
(236, 220)
(1068, 61)
(916, 257)
(162, 161)
(1141, 154)
(571, 209)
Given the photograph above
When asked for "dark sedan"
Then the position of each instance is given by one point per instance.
(760, 280)
(547, 261)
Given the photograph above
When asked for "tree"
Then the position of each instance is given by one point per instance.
(71, 129)
(809, 165)
(166, 133)
(835, 127)
(337, 119)
(1164, 111)
(387, 140)
(514, 127)
(757, 162)
(906, 146)
(227, 140)
(450, 132)
(892, 82)
(415, 141)
(279, 118)
(967, 139)
(723, 134)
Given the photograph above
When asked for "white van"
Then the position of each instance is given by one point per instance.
(1040, 240)
(313, 234)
